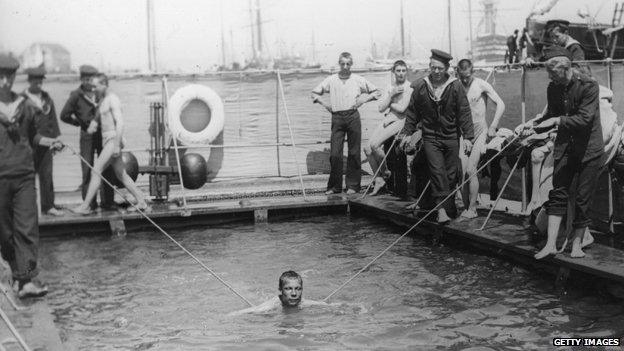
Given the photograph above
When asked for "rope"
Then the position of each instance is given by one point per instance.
(417, 223)
(14, 331)
(292, 137)
(159, 228)
(380, 166)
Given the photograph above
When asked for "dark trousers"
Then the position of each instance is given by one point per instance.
(90, 144)
(19, 227)
(43, 168)
(443, 162)
(566, 170)
(345, 123)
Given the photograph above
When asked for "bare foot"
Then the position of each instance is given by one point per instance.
(546, 251)
(469, 214)
(588, 239)
(81, 210)
(412, 207)
(577, 253)
(443, 217)
(379, 184)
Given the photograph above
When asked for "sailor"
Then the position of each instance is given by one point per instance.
(393, 105)
(512, 47)
(19, 229)
(439, 102)
(347, 92)
(80, 109)
(573, 107)
(48, 127)
(558, 33)
(478, 91)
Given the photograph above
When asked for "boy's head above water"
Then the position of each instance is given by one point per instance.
(290, 288)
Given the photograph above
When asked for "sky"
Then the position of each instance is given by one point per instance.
(112, 34)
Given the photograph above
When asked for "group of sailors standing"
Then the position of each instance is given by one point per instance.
(29, 136)
(443, 117)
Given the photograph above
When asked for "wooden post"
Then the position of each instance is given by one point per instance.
(277, 125)
(523, 105)
(609, 180)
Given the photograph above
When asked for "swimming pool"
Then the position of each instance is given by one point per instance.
(143, 293)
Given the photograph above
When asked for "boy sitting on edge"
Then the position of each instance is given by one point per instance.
(291, 291)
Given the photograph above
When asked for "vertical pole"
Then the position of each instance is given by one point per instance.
(449, 27)
(609, 180)
(402, 32)
(523, 105)
(470, 26)
(277, 125)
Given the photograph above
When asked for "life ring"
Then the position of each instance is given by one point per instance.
(196, 114)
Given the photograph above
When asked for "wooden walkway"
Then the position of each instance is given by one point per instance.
(504, 235)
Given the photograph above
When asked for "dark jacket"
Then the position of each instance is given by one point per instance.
(47, 123)
(79, 106)
(444, 119)
(16, 156)
(579, 133)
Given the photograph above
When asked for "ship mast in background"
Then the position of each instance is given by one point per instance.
(151, 37)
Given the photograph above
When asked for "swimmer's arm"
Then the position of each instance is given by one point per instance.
(308, 303)
(500, 105)
(263, 307)
(385, 101)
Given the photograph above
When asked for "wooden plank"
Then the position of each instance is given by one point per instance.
(504, 232)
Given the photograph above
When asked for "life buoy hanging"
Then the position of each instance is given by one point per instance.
(196, 114)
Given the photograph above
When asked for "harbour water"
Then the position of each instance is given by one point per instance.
(142, 293)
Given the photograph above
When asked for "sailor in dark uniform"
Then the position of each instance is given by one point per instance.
(19, 229)
(573, 107)
(558, 33)
(47, 125)
(80, 109)
(440, 104)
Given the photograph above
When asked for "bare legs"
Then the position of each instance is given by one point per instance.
(554, 222)
(375, 154)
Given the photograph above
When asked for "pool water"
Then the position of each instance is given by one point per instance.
(143, 293)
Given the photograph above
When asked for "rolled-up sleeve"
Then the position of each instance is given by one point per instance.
(323, 87)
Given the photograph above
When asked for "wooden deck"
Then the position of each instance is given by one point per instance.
(171, 215)
(504, 235)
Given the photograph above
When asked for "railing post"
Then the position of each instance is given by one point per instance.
(277, 125)
(523, 106)
(609, 180)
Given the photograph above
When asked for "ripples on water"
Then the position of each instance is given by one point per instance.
(142, 292)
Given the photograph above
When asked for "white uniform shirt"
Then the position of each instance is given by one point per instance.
(343, 93)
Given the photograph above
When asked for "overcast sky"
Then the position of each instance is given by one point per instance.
(111, 34)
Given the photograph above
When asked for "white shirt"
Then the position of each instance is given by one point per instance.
(343, 93)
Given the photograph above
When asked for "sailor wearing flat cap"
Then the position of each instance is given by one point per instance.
(48, 126)
(79, 110)
(19, 228)
(440, 105)
(557, 31)
(573, 108)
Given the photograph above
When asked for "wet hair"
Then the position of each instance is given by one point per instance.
(346, 55)
(464, 64)
(559, 62)
(289, 275)
(103, 78)
(398, 63)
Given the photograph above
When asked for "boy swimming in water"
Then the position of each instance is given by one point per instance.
(291, 291)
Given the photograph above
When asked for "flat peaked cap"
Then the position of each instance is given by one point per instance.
(88, 70)
(36, 72)
(441, 56)
(558, 23)
(555, 51)
(8, 63)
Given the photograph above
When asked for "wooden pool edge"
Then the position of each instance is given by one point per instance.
(602, 261)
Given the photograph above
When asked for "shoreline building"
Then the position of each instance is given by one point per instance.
(489, 47)
(54, 57)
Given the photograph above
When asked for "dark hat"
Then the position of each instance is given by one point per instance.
(8, 64)
(441, 56)
(555, 51)
(36, 72)
(87, 71)
(557, 23)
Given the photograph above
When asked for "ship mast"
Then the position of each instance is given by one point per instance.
(470, 25)
(222, 38)
(259, 24)
(151, 37)
(449, 27)
(402, 33)
(253, 34)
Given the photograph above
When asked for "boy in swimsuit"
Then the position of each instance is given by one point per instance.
(291, 291)
(110, 118)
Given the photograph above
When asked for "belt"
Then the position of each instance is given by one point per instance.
(345, 112)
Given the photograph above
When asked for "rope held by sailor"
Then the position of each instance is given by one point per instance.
(422, 219)
(159, 228)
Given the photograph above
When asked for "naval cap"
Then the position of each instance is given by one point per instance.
(87, 71)
(36, 72)
(555, 51)
(441, 56)
(8, 63)
(558, 23)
